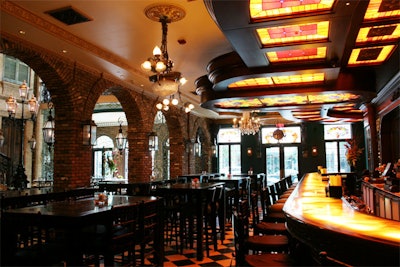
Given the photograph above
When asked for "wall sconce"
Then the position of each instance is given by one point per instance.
(153, 141)
(249, 151)
(120, 139)
(314, 151)
(89, 134)
(214, 150)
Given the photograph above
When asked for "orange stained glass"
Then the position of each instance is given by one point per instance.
(260, 9)
(285, 100)
(378, 33)
(370, 55)
(294, 33)
(297, 79)
(252, 82)
(277, 80)
(298, 54)
(381, 9)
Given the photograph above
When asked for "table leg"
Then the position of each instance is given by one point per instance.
(199, 226)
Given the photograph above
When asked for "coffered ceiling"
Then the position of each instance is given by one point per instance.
(304, 60)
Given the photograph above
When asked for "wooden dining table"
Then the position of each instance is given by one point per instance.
(198, 192)
(70, 216)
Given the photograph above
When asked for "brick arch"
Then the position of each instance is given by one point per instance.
(140, 123)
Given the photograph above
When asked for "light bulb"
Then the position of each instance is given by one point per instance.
(191, 106)
(165, 101)
(146, 65)
(166, 108)
(157, 51)
(159, 106)
(182, 80)
(160, 66)
(174, 101)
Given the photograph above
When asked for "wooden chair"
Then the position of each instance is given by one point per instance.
(118, 244)
(150, 235)
(30, 243)
(264, 228)
(245, 243)
(268, 214)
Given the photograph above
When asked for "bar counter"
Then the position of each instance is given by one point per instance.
(329, 224)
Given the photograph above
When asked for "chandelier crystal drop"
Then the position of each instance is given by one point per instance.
(247, 124)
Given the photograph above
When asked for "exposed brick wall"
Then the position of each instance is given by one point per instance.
(75, 90)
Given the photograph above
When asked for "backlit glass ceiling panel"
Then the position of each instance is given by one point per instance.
(389, 32)
(278, 80)
(382, 9)
(262, 9)
(370, 55)
(286, 100)
(297, 54)
(294, 33)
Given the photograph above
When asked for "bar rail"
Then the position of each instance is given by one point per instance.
(328, 224)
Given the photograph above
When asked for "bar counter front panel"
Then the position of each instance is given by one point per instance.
(330, 224)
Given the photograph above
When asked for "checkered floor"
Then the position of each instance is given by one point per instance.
(223, 256)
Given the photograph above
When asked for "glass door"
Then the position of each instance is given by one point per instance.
(291, 161)
(229, 159)
(281, 161)
(273, 163)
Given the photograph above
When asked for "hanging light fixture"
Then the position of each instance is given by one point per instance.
(153, 141)
(120, 139)
(165, 81)
(247, 124)
(49, 128)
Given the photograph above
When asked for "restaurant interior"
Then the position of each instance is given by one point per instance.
(252, 133)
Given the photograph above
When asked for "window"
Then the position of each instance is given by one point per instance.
(292, 134)
(335, 139)
(229, 152)
(15, 71)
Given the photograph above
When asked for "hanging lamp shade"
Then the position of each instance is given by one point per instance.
(48, 131)
(120, 139)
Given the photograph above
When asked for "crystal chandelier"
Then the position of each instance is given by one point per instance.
(247, 124)
(165, 81)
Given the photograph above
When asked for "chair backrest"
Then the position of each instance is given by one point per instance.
(265, 200)
(139, 189)
(124, 227)
(241, 231)
(254, 209)
(272, 193)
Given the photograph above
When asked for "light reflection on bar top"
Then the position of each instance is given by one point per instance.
(308, 203)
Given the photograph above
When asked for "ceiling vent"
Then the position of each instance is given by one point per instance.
(68, 15)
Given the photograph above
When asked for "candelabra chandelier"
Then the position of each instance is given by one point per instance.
(165, 81)
(247, 124)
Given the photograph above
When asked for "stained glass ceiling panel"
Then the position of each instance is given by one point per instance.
(294, 33)
(382, 9)
(278, 80)
(297, 54)
(389, 32)
(370, 55)
(263, 9)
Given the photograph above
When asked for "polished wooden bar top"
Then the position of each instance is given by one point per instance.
(309, 205)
